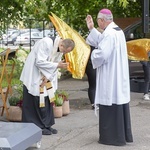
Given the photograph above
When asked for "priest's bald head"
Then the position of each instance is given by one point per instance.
(66, 45)
(104, 18)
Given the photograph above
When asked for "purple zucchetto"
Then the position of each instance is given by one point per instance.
(105, 11)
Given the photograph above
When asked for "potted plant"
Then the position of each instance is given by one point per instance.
(57, 107)
(15, 109)
(15, 102)
(65, 105)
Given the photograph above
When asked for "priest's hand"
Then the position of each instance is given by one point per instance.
(89, 22)
(63, 65)
(44, 81)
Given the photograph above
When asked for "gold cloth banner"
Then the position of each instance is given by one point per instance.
(77, 58)
(138, 49)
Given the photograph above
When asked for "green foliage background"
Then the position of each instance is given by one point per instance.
(72, 12)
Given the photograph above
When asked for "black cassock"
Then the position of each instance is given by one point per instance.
(115, 125)
(43, 117)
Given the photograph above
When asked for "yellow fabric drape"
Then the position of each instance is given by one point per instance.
(138, 49)
(77, 58)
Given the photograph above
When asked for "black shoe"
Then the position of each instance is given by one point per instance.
(46, 132)
(53, 131)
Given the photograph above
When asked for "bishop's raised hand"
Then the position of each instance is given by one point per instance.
(89, 22)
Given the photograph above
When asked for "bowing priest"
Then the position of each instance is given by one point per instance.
(39, 77)
(110, 60)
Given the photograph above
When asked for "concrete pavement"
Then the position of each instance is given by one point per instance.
(79, 130)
